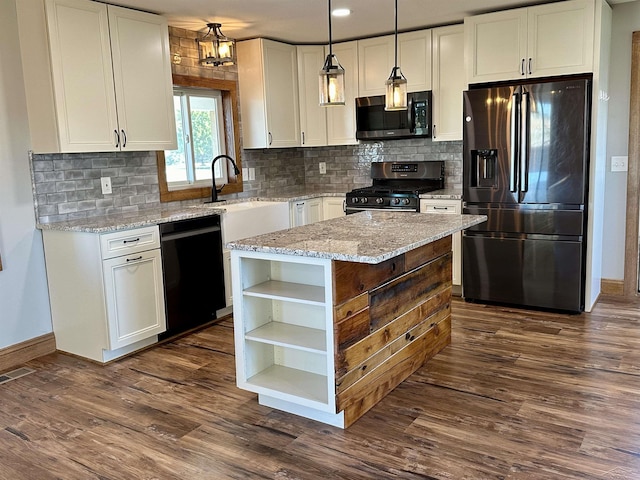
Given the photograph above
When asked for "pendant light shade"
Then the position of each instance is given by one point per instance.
(331, 77)
(216, 49)
(396, 86)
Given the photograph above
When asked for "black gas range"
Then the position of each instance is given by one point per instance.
(397, 186)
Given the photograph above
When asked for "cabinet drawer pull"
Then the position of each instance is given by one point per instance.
(131, 241)
(134, 259)
(440, 208)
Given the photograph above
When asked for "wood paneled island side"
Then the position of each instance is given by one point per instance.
(332, 316)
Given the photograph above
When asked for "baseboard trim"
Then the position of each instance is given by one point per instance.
(612, 287)
(20, 353)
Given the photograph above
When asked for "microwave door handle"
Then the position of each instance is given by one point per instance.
(411, 117)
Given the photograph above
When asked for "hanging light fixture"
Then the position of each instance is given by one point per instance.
(396, 96)
(331, 77)
(216, 49)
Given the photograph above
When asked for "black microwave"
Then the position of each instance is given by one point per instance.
(373, 122)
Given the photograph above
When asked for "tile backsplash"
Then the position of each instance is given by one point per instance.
(67, 186)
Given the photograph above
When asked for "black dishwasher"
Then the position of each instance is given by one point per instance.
(193, 272)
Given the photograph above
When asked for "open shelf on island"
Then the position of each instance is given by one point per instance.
(288, 335)
(294, 292)
(290, 381)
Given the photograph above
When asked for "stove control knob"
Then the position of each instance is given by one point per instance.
(364, 200)
(396, 201)
(355, 200)
(405, 201)
(379, 200)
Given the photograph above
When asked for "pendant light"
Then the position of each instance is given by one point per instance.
(331, 77)
(216, 49)
(396, 93)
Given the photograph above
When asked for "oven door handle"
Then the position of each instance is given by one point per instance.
(365, 209)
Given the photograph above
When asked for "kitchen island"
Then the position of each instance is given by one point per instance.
(330, 317)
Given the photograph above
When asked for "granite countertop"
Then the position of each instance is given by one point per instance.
(155, 216)
(365, 237)
(445, 194)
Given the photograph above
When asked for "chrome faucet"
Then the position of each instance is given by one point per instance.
(215, 191)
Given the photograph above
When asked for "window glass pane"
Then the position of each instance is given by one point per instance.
(176, 166)
(206, 145)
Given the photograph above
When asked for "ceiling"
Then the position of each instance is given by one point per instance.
(306, 21)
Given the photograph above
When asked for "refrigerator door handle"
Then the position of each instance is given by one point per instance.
(524, 142)
(514, 145)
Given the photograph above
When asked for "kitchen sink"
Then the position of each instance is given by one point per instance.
(251, 218)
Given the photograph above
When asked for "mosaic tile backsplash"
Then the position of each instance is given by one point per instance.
(67, 186)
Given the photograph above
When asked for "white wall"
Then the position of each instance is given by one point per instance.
(626, 20)
(24, 299)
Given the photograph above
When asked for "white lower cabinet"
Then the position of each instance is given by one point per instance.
(304, 212)
(284, 332)
(106, 291)
(444, 206)
(333, 207)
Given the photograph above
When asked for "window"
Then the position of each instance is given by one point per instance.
(226, 102)
(200, 131)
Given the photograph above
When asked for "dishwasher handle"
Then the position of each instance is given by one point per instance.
(165, 237)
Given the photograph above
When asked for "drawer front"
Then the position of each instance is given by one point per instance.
(435, 206)
(126, 242)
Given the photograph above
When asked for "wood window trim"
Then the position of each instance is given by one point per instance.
(229, 91)
(633, 176)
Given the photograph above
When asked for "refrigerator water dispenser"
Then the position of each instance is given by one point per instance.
(484, 164)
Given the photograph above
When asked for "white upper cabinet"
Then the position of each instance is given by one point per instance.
(313, 117)
(414, 59)
(142, 75)
(341, 120)
(448, 82)
(560, 38)
(539, 41)
(100, 80)
(335, 125)
(268, 82)
(377, 58)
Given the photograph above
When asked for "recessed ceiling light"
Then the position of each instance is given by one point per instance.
(341, 12)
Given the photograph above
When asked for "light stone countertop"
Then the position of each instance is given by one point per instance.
(444, 194)
(155, 216)
(365, 237)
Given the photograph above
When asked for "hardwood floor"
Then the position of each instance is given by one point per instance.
(517, 395)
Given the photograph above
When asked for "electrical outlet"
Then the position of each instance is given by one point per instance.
(106, 185)
(619, 164)
(323, 168)
(252, 173)
(245, 173)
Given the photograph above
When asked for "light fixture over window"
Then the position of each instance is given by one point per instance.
(396, 96)
(216, 49)
(331, 77)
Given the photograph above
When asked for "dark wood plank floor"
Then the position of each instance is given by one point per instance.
(518, 395)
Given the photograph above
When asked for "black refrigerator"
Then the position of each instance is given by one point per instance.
(525, 166)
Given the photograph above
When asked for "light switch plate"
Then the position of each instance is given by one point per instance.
(619, 164)
(105, 182)
(323, 168)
